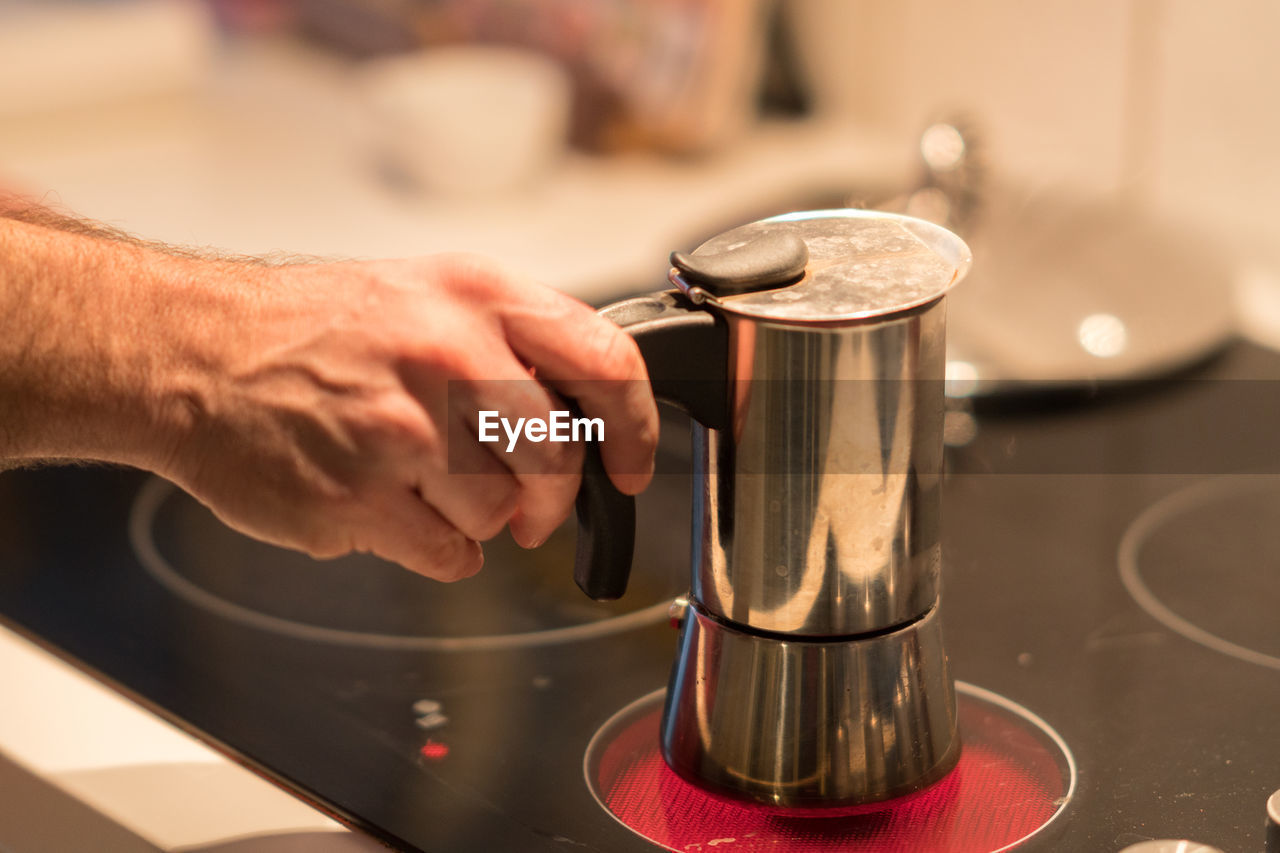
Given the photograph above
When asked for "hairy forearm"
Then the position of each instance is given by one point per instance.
(94, 329)
(19, 208)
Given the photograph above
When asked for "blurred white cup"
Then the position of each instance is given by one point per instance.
(470, 120)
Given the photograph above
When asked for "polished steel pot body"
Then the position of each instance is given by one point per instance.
(818, 508)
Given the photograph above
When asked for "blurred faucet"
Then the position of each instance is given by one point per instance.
(950, 187)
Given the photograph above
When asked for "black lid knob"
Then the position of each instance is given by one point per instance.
(772, 259)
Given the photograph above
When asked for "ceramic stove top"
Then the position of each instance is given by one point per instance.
(1110, 575)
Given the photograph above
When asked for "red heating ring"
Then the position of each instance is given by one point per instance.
(1009, 782)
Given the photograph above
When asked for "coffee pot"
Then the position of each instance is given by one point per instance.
(809, 351)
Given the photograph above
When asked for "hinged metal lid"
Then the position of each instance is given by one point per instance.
(862, 264)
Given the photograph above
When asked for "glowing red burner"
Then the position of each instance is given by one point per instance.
(1012, 778)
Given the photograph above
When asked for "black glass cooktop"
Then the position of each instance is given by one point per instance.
(1112, 572)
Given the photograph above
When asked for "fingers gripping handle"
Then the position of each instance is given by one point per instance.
(686, 351)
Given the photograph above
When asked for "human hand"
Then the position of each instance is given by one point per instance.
(315, 403)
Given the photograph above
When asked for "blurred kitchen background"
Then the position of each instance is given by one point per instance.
(1113, 163)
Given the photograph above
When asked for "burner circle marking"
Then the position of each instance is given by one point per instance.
(1152, 518)
(141, 520)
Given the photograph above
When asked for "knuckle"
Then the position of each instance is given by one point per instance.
(468, 272)
(444, 362)
(556, 458)
(497, 505)
(323, 527)
(647, 434)
(566, 458)
(396, 421)
(615, 353)
(321, 545)
(549, 498)
(325, 552)
(453, 557)
(556, 454)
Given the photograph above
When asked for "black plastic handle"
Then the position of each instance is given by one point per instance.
(686, 350)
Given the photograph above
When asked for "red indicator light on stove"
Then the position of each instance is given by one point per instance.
(434, 750)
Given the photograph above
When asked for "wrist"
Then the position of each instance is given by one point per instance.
(181, 344)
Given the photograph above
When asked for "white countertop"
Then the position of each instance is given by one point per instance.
(79, 762)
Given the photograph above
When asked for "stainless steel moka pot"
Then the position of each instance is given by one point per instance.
(809, 350)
